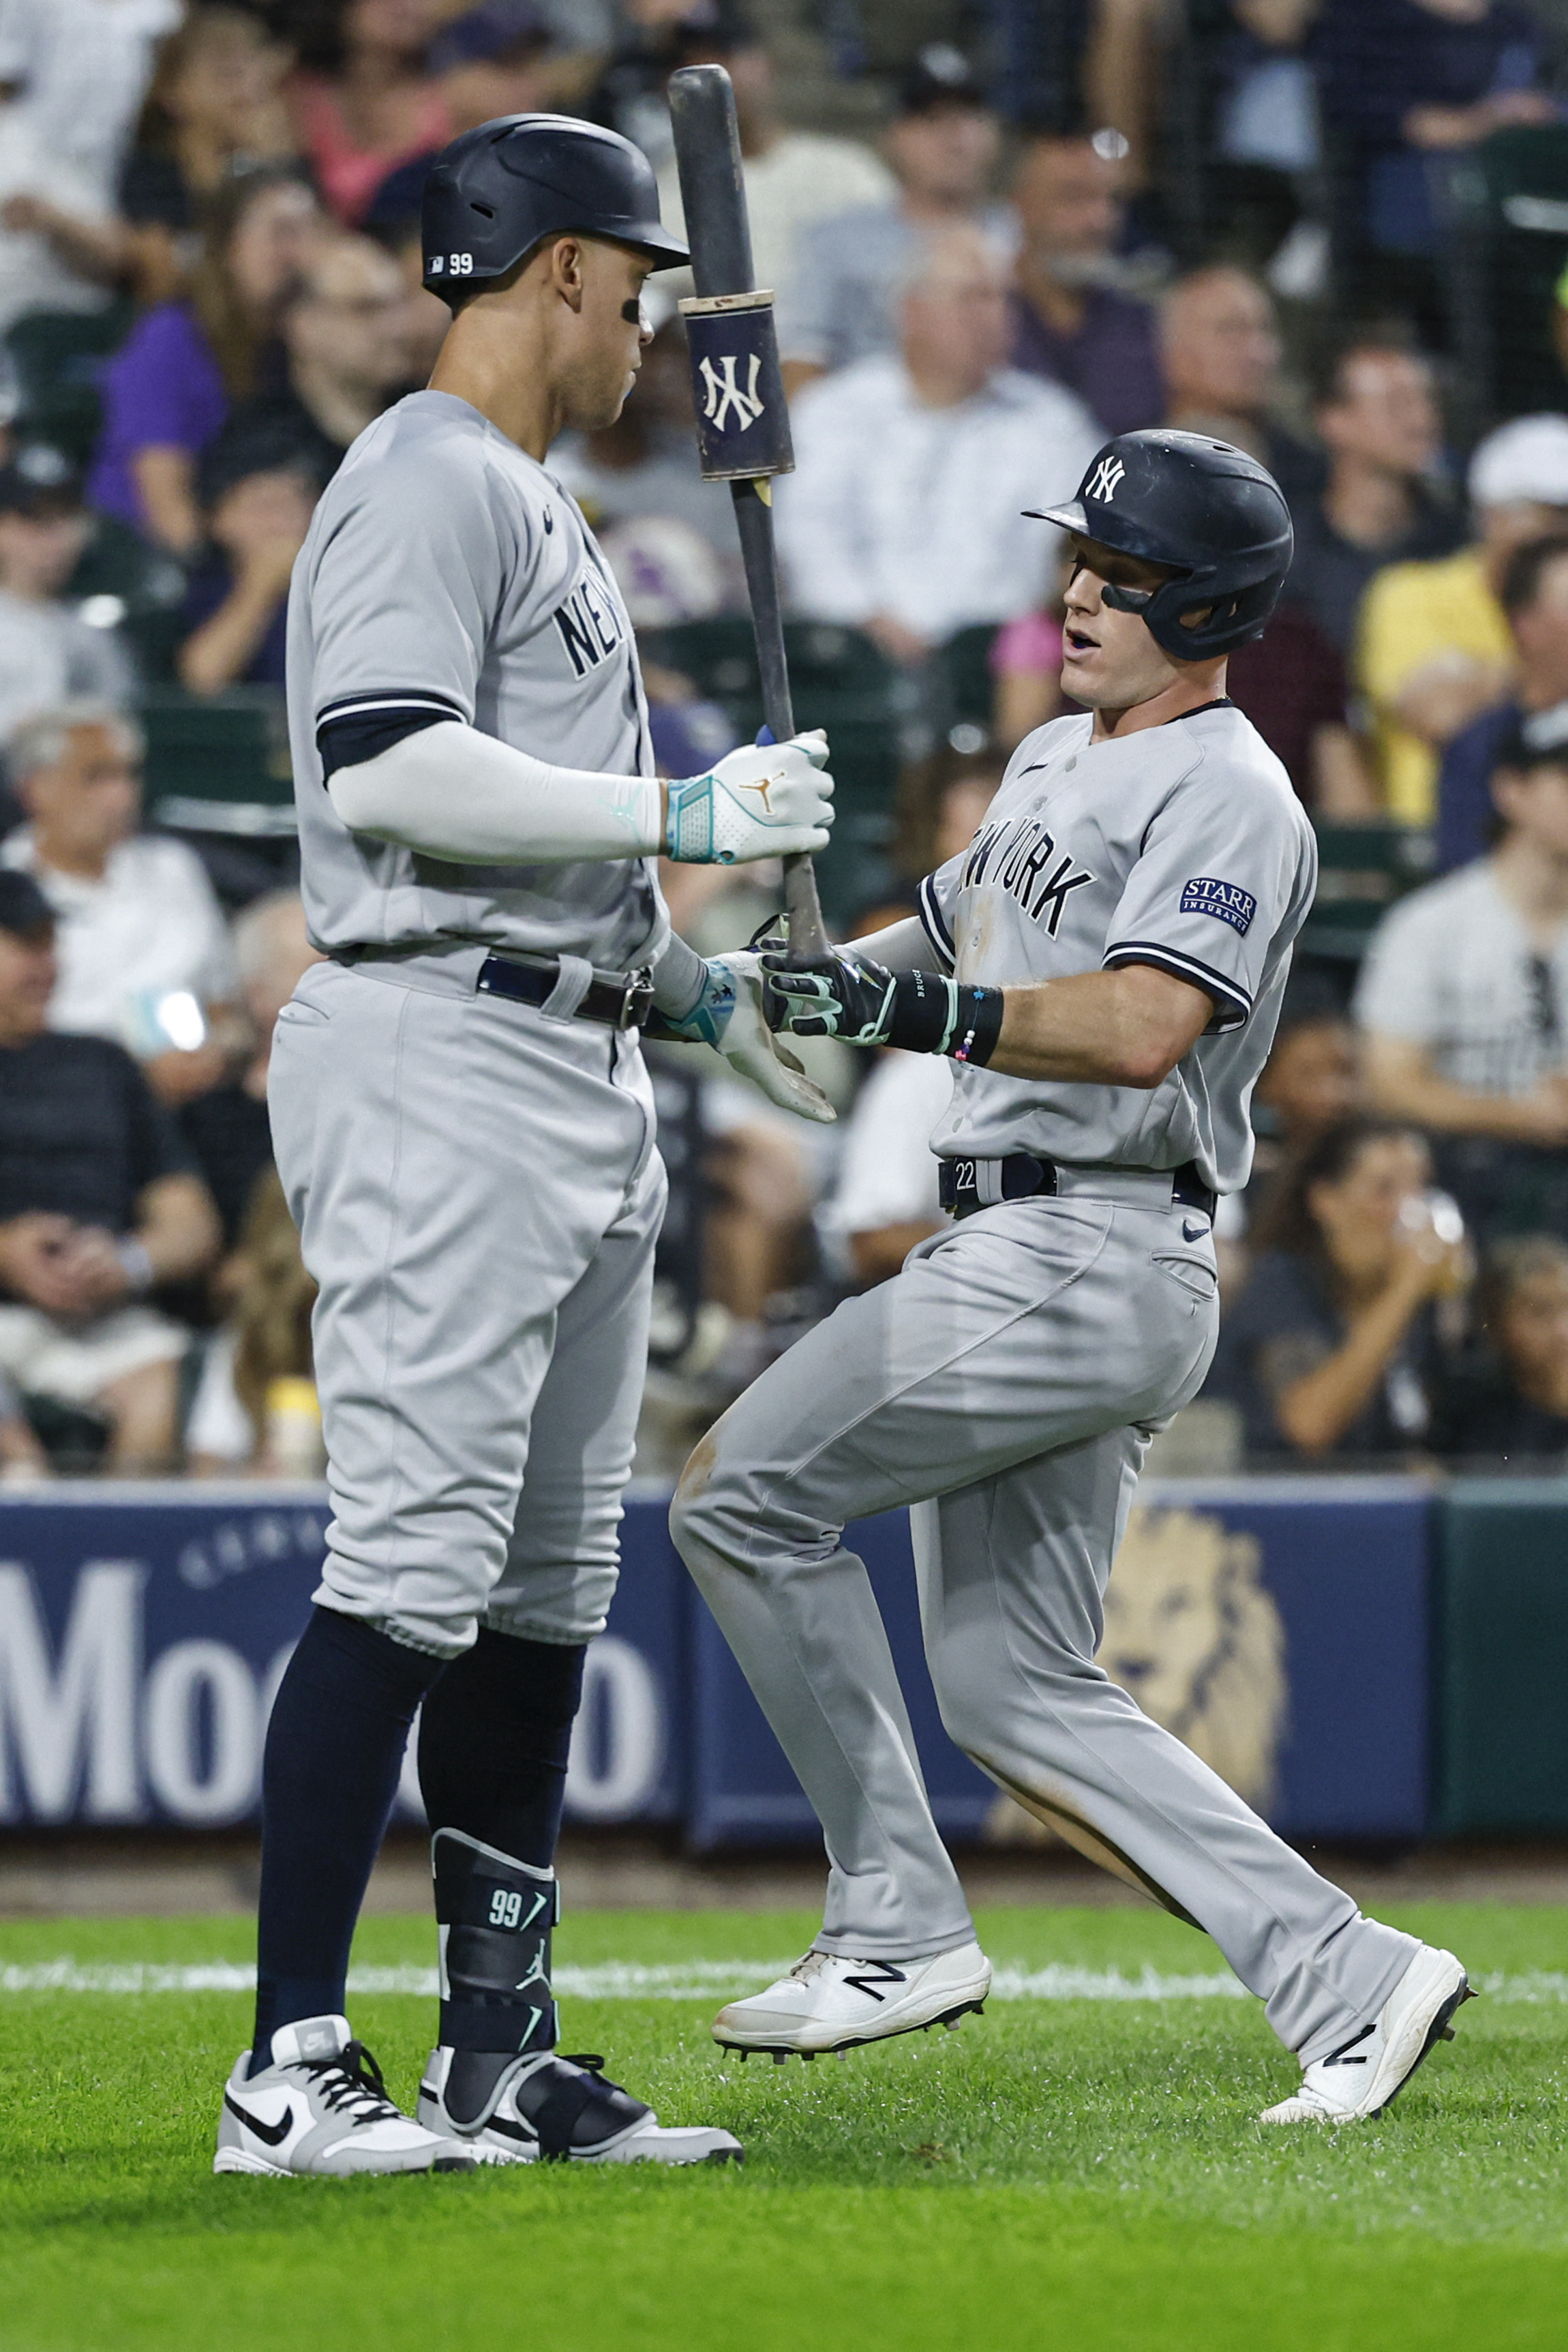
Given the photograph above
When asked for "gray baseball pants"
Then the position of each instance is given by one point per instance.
(478, 1194)
(1006, 1385)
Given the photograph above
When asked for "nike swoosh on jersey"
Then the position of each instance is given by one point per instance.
(271, 2134)
(1192, 1232)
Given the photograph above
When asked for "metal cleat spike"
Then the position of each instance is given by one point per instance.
(781, 2057)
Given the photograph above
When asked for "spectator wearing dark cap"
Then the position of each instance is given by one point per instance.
(841, 304)
(49, 653)
(491, 61)
(1533, 593)
(344, 328)
(1073, 322)
(793, 178)
(1463, 1000)
(99, 1205)
(258, 500)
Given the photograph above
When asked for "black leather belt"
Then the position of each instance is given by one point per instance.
(621, 1000)
(965, 1185)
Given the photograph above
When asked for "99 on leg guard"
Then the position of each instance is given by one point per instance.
(495, 1916)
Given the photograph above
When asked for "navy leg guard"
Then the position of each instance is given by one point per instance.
(495, 1916)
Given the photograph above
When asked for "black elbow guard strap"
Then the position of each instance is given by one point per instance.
(357, 726)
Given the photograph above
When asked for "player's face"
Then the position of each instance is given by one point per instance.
(1110, 662)
(613, 334)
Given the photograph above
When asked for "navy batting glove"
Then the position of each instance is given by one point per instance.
(853, 997)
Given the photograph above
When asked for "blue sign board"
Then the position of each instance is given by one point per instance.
(1280, 1626)
(143, 1631)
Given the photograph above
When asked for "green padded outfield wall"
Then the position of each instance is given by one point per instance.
(1501, 1657)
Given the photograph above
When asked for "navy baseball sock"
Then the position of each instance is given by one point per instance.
(334, 1750)
(493, 1743)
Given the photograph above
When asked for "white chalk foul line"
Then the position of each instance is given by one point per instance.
(696, 1981)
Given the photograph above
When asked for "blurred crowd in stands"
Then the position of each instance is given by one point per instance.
(1333, 231)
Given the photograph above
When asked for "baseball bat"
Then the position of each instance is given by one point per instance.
(743, 428)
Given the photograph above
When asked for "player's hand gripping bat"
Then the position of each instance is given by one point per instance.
(742, 423)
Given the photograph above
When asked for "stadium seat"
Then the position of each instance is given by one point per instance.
(958, 687)
(1507, 199)
(1361, 870)
(219, 765)
(840, 680)
(121, 582)
(59, 357)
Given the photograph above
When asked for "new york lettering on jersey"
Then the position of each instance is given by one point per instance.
(589, 623)
(1022, 857)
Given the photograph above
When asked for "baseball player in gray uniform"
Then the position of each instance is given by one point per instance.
(464, 1129)
(1103, 965)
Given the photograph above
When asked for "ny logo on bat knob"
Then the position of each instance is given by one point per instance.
(724, 394)
(743, 422)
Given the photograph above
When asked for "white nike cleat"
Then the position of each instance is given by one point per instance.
(322, 2107)
(1369, 2070)
(552, 2109)
(828, 2003)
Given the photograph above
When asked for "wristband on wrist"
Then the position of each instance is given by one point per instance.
(931, 1014)
(136, 1259)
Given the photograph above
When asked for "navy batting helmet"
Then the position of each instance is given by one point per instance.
(494, 192)
(1211, 514)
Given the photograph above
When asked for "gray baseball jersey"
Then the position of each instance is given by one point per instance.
(1183, 846)
(446, 570)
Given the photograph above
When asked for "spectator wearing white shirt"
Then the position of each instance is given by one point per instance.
(1464, 1001)
(144, 954)
(56, 228)
(48, 654)
(83, 67)
(839, 303)
(904, 516)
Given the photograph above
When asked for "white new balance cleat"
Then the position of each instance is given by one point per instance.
(1369, 2070)
(828, 2003)
(322, 2107)
(552, 2109)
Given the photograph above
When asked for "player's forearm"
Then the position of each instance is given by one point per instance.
(901, 947)
(1100, 1028)
(452, 794)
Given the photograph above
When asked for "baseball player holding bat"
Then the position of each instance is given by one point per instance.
(1103, 966)
(464, 1129)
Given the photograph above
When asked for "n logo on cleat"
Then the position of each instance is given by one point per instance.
(1342, 2057)
(878, 1972)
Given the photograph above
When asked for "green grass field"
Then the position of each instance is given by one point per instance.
(1073, 2170)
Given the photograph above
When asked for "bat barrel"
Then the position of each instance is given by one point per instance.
(712, 193)
(743, 420)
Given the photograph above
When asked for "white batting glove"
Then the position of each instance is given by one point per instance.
(766, 800)
(727, 1015)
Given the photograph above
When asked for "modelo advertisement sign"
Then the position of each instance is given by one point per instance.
(143, 1633)
(1279, 1627)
